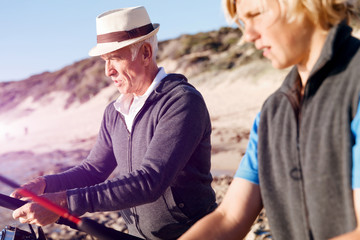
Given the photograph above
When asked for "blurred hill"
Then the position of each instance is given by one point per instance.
(188, 54)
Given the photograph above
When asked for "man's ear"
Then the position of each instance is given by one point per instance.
(146, 53)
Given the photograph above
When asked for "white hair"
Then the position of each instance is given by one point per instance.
(134, 48)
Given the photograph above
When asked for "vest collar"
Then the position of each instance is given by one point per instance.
(337, 37)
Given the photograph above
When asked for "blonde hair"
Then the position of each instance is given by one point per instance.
(325, 13)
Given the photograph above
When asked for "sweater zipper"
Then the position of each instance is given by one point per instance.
(134, 210)
(297, 113)
(129, 144)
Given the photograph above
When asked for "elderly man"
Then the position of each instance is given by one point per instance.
(157, 133)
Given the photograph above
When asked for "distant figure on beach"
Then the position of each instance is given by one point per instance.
(157, 133)
(302, 163)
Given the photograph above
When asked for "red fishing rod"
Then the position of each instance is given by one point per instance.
(84, 224)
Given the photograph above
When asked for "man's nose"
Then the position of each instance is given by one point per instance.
(109, 69)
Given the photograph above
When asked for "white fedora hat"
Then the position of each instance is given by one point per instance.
(122, 27)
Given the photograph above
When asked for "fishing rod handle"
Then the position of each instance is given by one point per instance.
(14, 203)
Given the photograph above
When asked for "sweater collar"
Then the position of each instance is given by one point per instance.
(167, 84)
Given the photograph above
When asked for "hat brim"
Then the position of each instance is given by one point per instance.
(104, 48)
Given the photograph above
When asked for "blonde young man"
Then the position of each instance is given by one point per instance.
(157, 133)
(303, 159)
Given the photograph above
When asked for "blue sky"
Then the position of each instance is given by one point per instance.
(46, 35)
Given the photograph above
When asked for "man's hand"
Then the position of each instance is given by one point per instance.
(36, 186)
(33, 213)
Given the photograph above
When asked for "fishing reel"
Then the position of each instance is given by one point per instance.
(14, 233)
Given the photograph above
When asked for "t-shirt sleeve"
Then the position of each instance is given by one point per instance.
(248, 167)
(355, 129)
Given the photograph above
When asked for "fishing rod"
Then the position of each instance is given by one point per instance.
(83, 224)
(14, 203)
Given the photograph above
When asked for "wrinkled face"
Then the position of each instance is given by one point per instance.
(126, 74)
(284, 43)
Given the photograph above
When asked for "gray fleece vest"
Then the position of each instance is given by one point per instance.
(304, 148)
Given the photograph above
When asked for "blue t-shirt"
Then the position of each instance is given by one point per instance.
(248, 167)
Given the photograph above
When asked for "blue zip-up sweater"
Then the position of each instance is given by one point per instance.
(163, 181)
